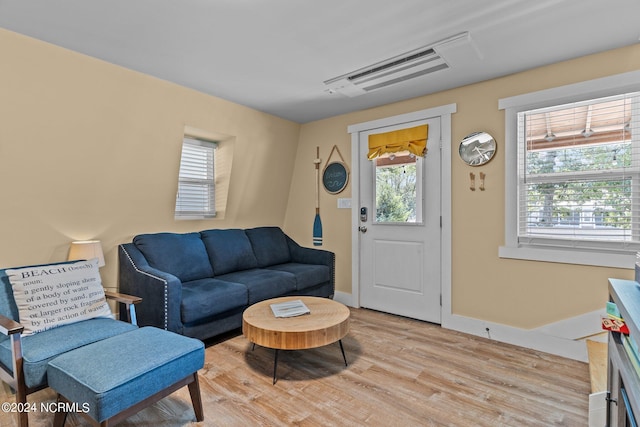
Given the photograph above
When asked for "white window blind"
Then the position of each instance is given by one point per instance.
(579, 175)
(196, 181)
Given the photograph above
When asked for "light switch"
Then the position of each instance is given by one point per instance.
(344, 203)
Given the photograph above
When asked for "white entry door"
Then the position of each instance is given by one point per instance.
(400, 228)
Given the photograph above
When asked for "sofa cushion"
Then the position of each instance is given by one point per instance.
(270, 246)
(229, 250)
(208, 297)
(307, 275)
(39, 349)
(262, 283)
(54, 295)
(182, 255)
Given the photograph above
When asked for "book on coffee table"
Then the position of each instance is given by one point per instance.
(289, 308)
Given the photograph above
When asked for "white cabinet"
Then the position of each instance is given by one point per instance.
(623, 378)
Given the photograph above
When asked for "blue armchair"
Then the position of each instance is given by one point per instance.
(24, 359)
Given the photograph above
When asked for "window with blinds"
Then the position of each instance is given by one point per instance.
(196, 181)
(579, 174)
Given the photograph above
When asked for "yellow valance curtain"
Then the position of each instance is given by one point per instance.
(413, 140)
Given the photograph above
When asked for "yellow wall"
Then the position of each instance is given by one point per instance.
(92, 150)
(523, 294)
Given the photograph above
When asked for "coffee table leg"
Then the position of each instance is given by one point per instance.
(275, 365)
(343, 355)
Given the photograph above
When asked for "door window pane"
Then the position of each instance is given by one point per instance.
(398, 188)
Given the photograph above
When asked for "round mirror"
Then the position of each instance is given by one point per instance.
(477, 148)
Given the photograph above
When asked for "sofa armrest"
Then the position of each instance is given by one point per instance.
(304, 255)
(9, 326)
(161, 292)
(13, 375)
(128, 301)
(123, 298)
(309, 255)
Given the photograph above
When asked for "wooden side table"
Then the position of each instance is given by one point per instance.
(327, 323)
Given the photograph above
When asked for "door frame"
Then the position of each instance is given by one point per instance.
(444, 113)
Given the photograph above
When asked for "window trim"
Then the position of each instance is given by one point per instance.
(582, 91)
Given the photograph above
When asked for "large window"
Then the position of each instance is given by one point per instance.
(196, 181)
(578, 175)
(573, 176)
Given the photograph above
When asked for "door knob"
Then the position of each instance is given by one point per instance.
(362, 229)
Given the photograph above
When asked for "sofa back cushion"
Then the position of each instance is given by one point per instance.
(182, 255)
(229, 250)
(269, 245)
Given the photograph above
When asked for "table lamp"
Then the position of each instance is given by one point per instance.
(86, 249)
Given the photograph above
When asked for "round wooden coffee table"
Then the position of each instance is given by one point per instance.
(327, 323)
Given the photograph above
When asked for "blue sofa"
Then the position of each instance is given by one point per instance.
(198, 284)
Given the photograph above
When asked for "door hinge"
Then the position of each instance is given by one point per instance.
(440, 300)
(440, 221)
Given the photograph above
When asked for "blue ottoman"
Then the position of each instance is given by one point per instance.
(113, 379)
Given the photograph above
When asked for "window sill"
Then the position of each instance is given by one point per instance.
(193, 217)
(569, 256)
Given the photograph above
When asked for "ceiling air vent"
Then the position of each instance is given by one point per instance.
(416, 63)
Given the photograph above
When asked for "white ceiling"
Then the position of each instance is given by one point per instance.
(274, 55)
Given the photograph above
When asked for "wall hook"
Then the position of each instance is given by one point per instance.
(472, 181)
(482, 175)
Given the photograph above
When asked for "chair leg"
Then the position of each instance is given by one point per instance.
(59, 419)
(23, 419)
(61, 416)
(19, 385)
(196, 399)
(21, 400)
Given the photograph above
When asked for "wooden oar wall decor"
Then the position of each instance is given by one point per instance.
(317, 222)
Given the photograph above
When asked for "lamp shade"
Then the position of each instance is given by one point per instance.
(86, 249)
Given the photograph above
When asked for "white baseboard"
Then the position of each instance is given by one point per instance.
(533, 339)
(566, 338)
(344, 298)
(598, 409)
(583, 326)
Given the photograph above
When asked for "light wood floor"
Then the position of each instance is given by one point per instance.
(401, 373)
